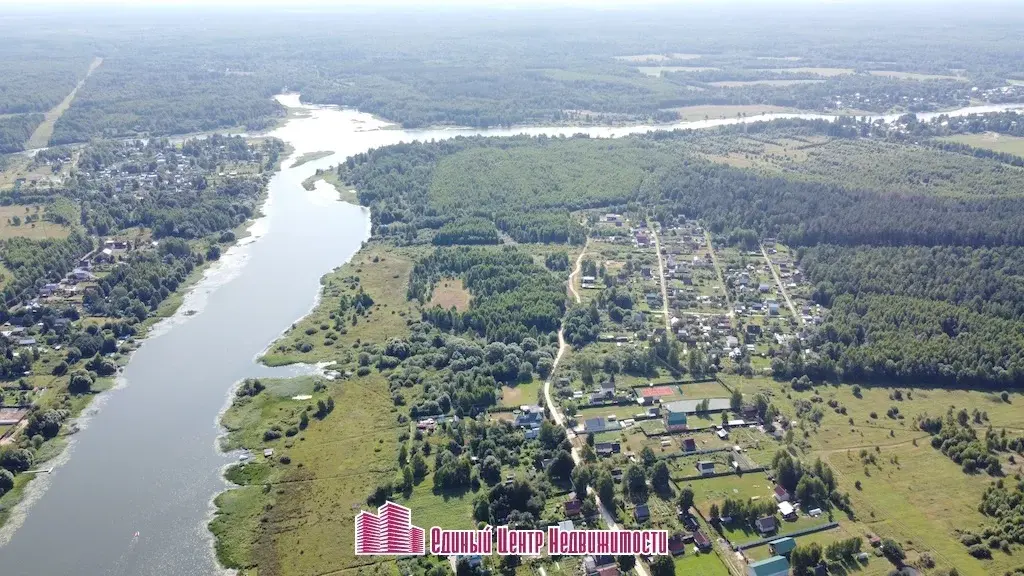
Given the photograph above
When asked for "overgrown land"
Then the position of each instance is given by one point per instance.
(755, 319)
(97, 243)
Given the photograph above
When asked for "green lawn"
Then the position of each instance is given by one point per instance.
(690, 564)
(991, 141)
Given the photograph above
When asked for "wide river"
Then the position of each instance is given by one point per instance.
(145, 459)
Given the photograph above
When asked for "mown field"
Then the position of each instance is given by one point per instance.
(911, 492)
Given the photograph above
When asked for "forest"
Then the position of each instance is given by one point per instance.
(916, 258)
(513, 297)
(15, 130)
(471, 69)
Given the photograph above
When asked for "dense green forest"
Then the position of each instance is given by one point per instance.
(15, 130)
(161, 75)
(917, 258)
(513, 297)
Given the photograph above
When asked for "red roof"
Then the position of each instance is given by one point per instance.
(572, 506)
(612, 570)
(689, 444)
(701, 540)
(781, 492)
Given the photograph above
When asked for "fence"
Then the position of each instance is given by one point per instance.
(803, 532)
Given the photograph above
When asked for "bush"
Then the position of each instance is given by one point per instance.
(285, 459)
(980, 552)
(363, 371)
(271, 435)
(6, 481)
(80, 382)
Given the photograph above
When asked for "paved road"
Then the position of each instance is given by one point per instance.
(778, 281)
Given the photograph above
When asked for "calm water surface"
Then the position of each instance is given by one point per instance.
(146, 459)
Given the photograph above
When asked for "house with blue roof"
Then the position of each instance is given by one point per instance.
(774, 566)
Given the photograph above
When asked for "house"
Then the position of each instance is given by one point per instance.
(573, 507)
(593, 564)
(610, 570)
(689, 445)
(529, 417)
(787, 510)
(736, 423)
(732, 341)
(27, 342)
(676, 544)
(642, 513)
(566, 526)
(706, 467)
(702, 541)
(608, 388)
(782, 546)
(774, 566)
(597, 425)
(614, 218)
(531, 433)
(723, 433)
(766, 525)
(781, 494)
(642, 240)
(606, 449)
(617, 474)
(773, 307)
(675, 419)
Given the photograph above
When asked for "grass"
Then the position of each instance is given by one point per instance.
(450, 293)
(297, 518)
(43, 132)
(708, 491)
(657, 71)
(741, 83)
(991, 141)
(915, 76)
(708, 564)
(717, 111)
(35, 230)
(657, 57)
(818, 71)
(453, 511)
(330, 177)
(913, 494)
(311, 156)
(520, 394)
(384, 280)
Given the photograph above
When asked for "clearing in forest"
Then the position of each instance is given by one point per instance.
(41, 137)
(450, 292)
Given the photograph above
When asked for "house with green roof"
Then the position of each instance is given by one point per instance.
(782, 546)
(774, 566)
(675, 420)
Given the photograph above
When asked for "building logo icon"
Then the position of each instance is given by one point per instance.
(388, 532)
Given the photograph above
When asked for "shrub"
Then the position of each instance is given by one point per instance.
(979, 551)
(271, 435)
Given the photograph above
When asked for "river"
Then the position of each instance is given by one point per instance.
(145, 459)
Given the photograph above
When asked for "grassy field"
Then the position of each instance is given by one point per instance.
(660, 70)
(714, 112)
(450, 293)
(311, 156)
(708, 491)
(818, 71)
(296, 518)
(520, 394)
(35, 230)
(991, 141)
(691, 564)
(741, 83)
(915, 76)
(382, 273)
(912, 493)
(658, 57)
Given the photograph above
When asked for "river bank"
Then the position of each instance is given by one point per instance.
(51, 455)
(148, 463)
